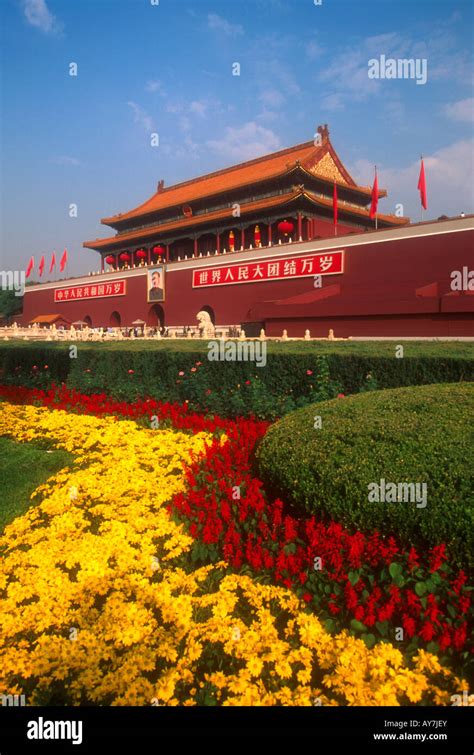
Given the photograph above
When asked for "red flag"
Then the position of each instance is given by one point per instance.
(334, 204)
(30, 267)
(41, 265)
(53, 263)
(375, 197)
(422, 186)
(63, 261)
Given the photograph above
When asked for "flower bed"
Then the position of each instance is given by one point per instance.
(366, 583)
(101, 603)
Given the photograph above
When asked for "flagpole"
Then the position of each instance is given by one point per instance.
(421, 214)
(377, 210)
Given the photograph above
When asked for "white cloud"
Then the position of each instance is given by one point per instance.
(272, 98)
(448, 176)
(332, 102)
(206, 108)
(268, 116)
(155, 86)
(245, 143)
(184, 124)
(38, 14)
(462, 110)
(66, 160)
(313, 50)
(346, 75)
(394, 113)
(141, 117)
(198, 107)
(219, 24)
(174, 107)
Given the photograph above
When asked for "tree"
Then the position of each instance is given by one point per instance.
(9, 304)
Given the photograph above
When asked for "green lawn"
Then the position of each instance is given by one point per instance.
(24, 466)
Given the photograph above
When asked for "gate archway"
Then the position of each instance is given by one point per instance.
(210, 312)
(115, 320)
(156, 316)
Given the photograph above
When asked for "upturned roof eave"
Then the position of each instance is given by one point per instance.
(186, 224)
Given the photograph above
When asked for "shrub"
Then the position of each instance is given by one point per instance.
(416, 435)
(296, 374)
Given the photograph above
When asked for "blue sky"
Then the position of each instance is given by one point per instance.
(167, 69)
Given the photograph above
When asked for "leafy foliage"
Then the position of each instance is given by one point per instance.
(416, 435)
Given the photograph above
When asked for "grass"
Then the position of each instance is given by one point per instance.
(24, 466)
(443, 349)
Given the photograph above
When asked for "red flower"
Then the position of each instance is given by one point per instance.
(340, 395)
(413, 559)
(247, 382)
(409, 625)
(427, 631)
(459, 636)
(257, 532)
(438, 557)
(309, 372)
(131, 372)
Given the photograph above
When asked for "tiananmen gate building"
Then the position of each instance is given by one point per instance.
(254, 245)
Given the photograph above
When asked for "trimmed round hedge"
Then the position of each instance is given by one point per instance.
(422, 434)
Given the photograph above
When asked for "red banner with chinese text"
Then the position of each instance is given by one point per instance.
(91, 291)
(328, 263)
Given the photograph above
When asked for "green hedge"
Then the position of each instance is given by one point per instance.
(423, 434)
(295, 374)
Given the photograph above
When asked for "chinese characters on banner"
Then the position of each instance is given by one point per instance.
(96, 291)
(328, 263)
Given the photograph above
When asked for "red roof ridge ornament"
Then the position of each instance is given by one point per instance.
(323, 131)
(160, 187)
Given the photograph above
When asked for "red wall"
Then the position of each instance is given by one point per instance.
(379, 293)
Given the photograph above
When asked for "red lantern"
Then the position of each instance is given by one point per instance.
(125, 257)
(110, 259)
(231, 241)
(158, 250)
(141, 254)
(257, 237)
(285, 227)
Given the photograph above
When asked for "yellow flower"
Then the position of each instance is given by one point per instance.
(85, 613)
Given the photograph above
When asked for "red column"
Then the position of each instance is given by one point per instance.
(218, 243)
(309, 227)
(195, 252)
(269, 234)
(133, 260)
(242, 238)
(149, 255)
(101, 263)
(167, 247)
(300, 226)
